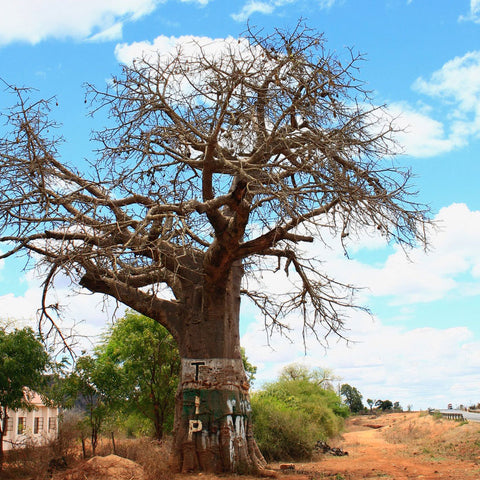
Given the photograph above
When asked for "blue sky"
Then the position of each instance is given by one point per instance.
(422, 58)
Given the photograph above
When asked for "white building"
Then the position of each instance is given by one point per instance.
(37, 426)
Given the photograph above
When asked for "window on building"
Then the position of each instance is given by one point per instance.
(21, 425)
(9, 424)
(52, 424)
(38, 425)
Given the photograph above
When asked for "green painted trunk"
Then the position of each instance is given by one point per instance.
(214, 429)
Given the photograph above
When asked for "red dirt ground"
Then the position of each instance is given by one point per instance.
(400, 447)
(395, 446)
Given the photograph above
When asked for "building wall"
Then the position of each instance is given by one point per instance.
(37, 426)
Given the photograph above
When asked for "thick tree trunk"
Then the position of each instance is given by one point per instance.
(213, 418)
(213, 428)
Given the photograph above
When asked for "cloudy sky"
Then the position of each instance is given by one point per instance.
(421, 345)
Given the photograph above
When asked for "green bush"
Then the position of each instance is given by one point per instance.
(292, 414)
(282, 433)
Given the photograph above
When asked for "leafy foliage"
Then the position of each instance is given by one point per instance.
(144, 357)
(353, 398)
(292, 414)
(23, 360)
(384, 405)
(129, 382)
(320, 376)
(92, 386)
(397, 407)
(250, 370)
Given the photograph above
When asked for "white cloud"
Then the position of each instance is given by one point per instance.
(424, 366)
(251, 7)
(32, 21)
(165, 46)
(451, 266)
(445, 269)
(126, 52)
(268, 7)
(457, 86)
(458, 81)
(84, 315)
(112, 33)
(326, 4)
(420, 135)
(200, 2)
(474, 14)
(420, 366)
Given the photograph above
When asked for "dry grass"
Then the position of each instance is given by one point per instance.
(436, 437)
(26, 463)
(35, 463)
(152, 455)
(461, 442)
(408, 432)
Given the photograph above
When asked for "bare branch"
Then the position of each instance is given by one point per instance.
(208, 159)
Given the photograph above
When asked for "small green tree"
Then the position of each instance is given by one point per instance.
(93, 386)
(397, 407)
(370, 403)
(145, 359)
(293, 413)
(353, 397)
(23, 360)
(384, 405)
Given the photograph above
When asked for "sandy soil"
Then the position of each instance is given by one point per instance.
(402, 446)
(395, 446)
(110, 467)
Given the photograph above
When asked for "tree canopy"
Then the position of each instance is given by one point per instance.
(353, 398)
(146, 360)
(385, 405)
(213, 154)
(323, 377)
(93, 387)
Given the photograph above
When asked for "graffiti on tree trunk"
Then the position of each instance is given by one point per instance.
(216, 405)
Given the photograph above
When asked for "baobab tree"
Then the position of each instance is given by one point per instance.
(215, 164)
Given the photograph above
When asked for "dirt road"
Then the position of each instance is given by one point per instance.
(419, 451)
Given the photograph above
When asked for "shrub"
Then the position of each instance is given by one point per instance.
(282, 432)
(292, 414)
